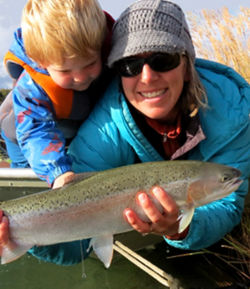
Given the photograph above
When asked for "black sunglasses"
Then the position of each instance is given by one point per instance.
(160, 62)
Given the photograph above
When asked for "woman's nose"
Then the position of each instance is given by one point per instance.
(148, 74)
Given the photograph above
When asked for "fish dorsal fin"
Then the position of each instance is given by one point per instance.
(185, 217)
(103, 248)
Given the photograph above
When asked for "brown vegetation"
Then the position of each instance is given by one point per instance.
(223, 37)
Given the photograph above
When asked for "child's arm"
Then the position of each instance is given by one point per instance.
(38, 136)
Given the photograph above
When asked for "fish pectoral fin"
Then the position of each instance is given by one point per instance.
(103, 248)
(14, 252)
(185, 217)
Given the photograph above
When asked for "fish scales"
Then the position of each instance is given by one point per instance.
(93, 206)
(110, 182)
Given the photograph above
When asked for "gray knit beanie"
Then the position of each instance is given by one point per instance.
(150, 26)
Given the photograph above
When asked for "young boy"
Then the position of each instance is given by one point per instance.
(57, 56)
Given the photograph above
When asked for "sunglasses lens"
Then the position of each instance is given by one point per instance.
(160, 62)
(163, 62)
(129, 67)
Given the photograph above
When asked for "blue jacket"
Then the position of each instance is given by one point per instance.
(110, 138)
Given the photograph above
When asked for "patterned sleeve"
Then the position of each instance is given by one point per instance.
(41, 142)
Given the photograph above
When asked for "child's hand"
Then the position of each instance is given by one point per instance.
(63, 180)
(162, 223)
(4, 232)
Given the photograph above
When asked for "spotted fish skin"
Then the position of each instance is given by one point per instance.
(92, 206)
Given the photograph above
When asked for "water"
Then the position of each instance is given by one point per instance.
(29, 273)
(189, 272)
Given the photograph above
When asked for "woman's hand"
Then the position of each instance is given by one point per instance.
(162, 223)
(4, 232)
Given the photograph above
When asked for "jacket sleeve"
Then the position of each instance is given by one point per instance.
(41, 142)
(212, 222)
(64, 253)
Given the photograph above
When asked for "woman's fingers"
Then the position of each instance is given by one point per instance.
(138, 225)
(168, 204)
(150, 210)
(163, 217)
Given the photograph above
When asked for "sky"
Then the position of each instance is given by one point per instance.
(10, 19)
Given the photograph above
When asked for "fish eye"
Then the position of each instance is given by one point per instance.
(225, 178)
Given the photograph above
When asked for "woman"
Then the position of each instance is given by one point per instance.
(165, 104)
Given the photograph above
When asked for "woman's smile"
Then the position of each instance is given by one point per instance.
(153, 94)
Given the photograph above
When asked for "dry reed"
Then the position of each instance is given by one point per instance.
(223, 37)
(232, 252)
(238, 243)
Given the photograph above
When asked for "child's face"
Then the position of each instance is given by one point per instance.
(77, 73)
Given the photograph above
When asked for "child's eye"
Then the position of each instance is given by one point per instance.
(64, 71)
(91, 64)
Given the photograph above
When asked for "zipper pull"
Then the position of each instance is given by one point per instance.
(165, 137)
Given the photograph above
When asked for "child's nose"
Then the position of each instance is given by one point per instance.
(80, 76)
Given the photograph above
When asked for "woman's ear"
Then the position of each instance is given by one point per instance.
(186, 69)
(186, 76)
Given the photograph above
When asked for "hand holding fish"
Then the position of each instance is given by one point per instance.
(162, 223)
(63, 179)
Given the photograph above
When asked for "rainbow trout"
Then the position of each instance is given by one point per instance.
(92, 206)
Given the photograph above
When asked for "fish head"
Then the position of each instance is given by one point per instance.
(214, 182)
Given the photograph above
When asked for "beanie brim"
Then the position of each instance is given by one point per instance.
(146, 41)
(151, 26)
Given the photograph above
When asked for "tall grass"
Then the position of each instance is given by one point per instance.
(237, 246)
(223, 37)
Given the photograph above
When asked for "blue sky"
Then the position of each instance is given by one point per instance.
(10, 14)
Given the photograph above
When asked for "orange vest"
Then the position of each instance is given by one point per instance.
(62, 99)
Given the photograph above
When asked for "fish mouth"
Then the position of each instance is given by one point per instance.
(233, 184)
(237, 173)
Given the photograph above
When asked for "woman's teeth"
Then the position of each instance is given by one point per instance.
(153, 93)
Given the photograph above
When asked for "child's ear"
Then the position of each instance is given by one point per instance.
(42, 65)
